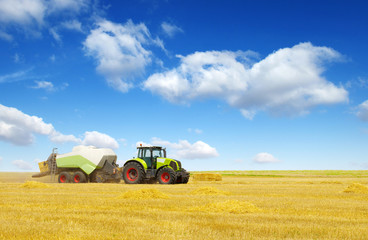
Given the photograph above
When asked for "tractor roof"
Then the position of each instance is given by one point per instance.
(153, 147)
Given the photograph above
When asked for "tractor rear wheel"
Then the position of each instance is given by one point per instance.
(133, 173)
(166, 176)
(64, 177)
(79, 177)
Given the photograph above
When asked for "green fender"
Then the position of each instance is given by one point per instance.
(141, 161)
(76, 161)
(162, 162)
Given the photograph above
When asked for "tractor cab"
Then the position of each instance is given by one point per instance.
(150, 155)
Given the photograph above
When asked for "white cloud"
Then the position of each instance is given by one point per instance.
(362, 112)
(1, 159)
(196, 130)
(31, 16)
(58, 137)
(23, 165)
(185, 150)
(98, 139)
(49, 86)
(287, 82)
(6, 36)
(265, 158)
(19, 128)
(16, 76)
(69, 5)
(119, 51)
(170, 29)
(72, 25)
(22, 11)
(55, 35)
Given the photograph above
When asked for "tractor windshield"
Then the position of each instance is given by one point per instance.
(157, 153)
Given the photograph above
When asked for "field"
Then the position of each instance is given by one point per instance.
(244, 205)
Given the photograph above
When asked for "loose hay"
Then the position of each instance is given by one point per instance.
(207, 177)
(229, 206)
(33, 184)
(208, 191)
(146, 193)
(356, 188)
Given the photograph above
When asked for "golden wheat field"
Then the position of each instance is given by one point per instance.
(242, 205)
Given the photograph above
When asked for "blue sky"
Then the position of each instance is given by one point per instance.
(224, 85)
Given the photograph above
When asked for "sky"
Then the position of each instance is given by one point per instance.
(223, 85)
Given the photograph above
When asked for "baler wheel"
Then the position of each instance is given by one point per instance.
(133, 173)
(79, 177)
(166, 176)
(64, 177)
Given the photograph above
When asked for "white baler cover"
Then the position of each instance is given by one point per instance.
(91, 153)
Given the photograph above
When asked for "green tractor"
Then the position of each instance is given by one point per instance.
(151, 165)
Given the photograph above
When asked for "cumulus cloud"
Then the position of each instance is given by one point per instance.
(19, 128)
(31, 16)
(22, 11)
(119, 51)
(98, 139)
(362, 112)
(265, 158)
(23, 165)
(186, 150)
(286, 82)
(170, 29)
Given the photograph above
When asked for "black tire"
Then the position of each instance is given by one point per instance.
(185, 180)
(64, 177)
(186, 176)
(133, 173)
(166, 176)
(79, 177)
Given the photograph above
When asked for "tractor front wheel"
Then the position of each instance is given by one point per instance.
(166, 176)
(64, 177)
(133, 173)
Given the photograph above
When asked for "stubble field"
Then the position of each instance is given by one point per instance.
(244, 205)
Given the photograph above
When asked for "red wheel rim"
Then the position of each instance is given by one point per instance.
(165, 177)
(132, 174)
(63, 178)
(76, 179)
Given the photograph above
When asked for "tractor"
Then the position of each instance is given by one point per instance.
(152, 165)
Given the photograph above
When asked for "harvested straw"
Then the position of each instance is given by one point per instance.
(208, 191)
(207, 177)
(356, 188)
(147, 193)
(229, 206)
(33, 184)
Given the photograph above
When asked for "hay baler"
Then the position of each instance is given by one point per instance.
(83, 164)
